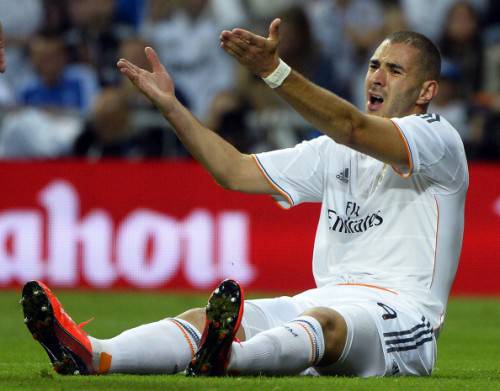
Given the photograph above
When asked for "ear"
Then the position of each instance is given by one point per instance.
(428, 91)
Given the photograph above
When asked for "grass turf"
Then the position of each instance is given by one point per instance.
(468, 349)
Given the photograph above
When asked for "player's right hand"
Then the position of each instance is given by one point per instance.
(157, 85)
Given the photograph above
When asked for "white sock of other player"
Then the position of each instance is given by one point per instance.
(284, 350)
(166, 346)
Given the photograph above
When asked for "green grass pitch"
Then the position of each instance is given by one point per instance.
(468, 349)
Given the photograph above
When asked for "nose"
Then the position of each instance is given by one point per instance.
(379, 77)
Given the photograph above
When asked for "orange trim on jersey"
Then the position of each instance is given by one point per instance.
(408, 153)
(273, 185)
(370, 286)
(436, 243)
(186, 336)
(104, 363)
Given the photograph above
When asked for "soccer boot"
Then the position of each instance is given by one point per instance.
(223, 317)
(66, 344)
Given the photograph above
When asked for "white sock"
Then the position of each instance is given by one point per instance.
(284, 350)
(166, 346)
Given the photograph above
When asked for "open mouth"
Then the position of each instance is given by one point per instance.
(375, 102)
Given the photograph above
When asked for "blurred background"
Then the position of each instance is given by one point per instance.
(97, 192)
(62, 96)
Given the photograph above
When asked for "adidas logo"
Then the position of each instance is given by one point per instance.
(344, 175)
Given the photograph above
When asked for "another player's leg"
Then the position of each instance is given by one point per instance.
(166, 346)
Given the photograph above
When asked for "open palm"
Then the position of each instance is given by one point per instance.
(157, 85)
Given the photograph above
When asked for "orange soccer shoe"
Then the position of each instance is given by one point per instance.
(66, 344)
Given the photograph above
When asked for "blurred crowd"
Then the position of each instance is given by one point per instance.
(62, 95)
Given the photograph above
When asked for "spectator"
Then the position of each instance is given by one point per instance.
(395, 19)
(461, 44)
(2, 50)
(260, 11)
(187, 42)
(426, 16)
(454, 107)
(6, 97)
(109, 132)
(228, 116)
(299, 49)
(54, 83)
(269, 121)
(230, 13)
(347, 31)
(130, 12)
(492, 14)
(21, 20)
(36, 133)
(491, 79)
(429, 16)
(94, 38)
(56, 19)
(487, 101)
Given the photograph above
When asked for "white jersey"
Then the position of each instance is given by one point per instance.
(379, 226)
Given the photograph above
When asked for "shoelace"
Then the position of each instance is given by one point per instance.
(83, 324)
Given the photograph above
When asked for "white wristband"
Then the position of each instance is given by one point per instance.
(275, 79)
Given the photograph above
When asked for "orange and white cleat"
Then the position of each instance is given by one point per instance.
(66, 344)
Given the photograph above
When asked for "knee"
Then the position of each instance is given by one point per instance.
(334, 332)
(195, 316)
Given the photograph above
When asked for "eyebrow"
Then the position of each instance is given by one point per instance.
(391, 65)
(396, 66)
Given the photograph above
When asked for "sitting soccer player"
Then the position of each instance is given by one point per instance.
(392, 182)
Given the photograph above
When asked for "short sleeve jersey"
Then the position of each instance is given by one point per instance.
(380, 225)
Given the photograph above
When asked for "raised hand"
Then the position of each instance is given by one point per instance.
(157, 85)
(257, 53)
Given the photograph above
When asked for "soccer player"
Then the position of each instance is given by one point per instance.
(392, 182)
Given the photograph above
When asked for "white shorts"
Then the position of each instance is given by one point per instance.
(385, 336)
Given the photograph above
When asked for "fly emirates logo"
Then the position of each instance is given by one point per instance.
(145, 249)
(352, 221)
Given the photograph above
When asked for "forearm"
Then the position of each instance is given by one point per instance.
(229, 167)
(372, 135)
(326, 111)
(219, 158)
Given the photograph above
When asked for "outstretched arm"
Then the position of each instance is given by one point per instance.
(230, 168)
(326, 111)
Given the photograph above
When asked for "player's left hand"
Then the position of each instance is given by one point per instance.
(157, 85)
(257, 53)
(2, 51)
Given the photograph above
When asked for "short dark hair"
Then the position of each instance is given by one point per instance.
(430, 61)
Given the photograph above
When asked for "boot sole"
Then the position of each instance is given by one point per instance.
(224, 312)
